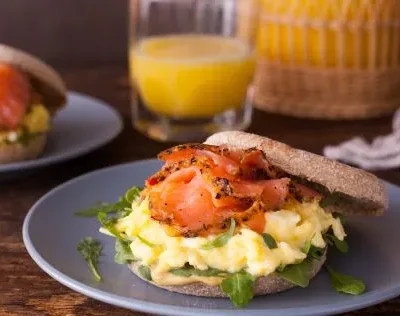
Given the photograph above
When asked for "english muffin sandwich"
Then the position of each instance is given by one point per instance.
(31, 92)
(238, 216)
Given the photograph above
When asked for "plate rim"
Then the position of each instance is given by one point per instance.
(366, 300)
(57, 158)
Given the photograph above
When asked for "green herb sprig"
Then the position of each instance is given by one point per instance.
(269, 241)
(187, 271)
(300, 273)
(222, 239)
(91, 249)
(145, 272)
(122, 207)
(123, 253)
(239, 287)
(109, 224)
(341, 245)
(345, 283)
(146, 242)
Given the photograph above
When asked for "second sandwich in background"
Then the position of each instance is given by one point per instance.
(31, 92)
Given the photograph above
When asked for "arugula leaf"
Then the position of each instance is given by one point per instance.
(341, 245)
(298, 274)
(334, 199)
(23, 138)
(123, 207)
(307, 247)
(315, 253)
(145, 241)
(281, 267)
(222, 239)
(340, 216)
(187, 270)
(123, 212)
(346, 283)
(96, 209)
(239, 288)
(109, 224)
(90, 249)
(132, 194)
(330, 199)
(269, 241)
(123, 253)
(145, 272)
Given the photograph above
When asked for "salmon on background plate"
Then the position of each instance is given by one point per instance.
(31, 92)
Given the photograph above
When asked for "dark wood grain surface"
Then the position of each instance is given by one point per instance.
(86, 41)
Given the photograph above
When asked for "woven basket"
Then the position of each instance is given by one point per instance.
(332, 59)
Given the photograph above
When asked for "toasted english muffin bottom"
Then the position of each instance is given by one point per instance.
(264, 285)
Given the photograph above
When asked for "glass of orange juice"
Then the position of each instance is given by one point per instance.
(190, 66)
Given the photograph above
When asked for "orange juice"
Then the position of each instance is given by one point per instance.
(191, 76)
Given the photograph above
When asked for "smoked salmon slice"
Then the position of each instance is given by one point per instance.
(201, 187)
(219, 156)
(15, 94)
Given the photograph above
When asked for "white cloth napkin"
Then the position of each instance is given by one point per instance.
(382, 153)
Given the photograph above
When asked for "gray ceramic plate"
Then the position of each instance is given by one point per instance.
(51, 233)
(83, 125)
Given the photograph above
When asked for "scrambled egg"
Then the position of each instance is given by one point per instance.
(293, 228)
(36, 121)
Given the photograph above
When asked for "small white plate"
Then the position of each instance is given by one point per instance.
(83, 125)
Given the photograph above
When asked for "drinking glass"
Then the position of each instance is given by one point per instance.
(191, 64)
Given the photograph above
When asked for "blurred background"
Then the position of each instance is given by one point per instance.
(91, 37)
(73, 31)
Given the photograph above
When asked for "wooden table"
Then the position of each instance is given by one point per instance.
(26, 290)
